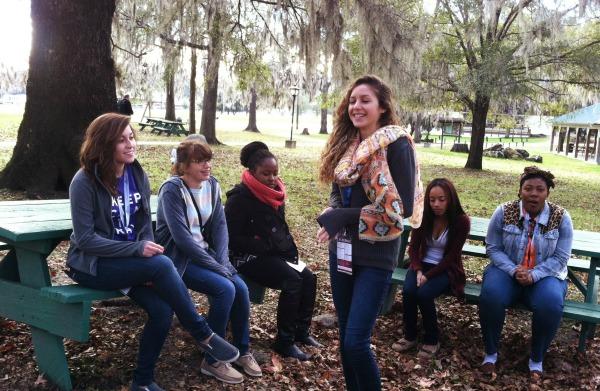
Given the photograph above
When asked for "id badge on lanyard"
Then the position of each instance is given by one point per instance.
(344, 254)
(344, 241)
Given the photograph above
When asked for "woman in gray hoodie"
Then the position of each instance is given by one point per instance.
(191, 225)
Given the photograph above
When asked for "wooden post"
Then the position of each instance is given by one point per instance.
(554, 128)
(587, 143)
(577, 130)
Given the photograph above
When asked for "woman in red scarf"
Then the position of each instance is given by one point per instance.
(264, 250)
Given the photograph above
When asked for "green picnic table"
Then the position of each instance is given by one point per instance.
(31, 230)
(150, 122)
(176, 128)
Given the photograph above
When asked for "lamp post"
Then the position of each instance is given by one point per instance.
(291, 143)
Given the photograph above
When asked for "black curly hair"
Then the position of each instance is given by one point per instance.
(254, 153)
(534, 172)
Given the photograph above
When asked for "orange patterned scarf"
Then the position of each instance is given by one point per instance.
(382, 220)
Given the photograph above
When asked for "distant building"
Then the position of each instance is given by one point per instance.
(451, 123)
(577, 133)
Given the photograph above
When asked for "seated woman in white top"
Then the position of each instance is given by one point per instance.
(435, 264)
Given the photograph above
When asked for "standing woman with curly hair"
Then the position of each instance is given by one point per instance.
(372, 165)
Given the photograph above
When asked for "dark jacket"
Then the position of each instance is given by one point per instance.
(256, 228)
(93, 227)
(124, 107)
(173, 231)
(382, 255)
(451, 262)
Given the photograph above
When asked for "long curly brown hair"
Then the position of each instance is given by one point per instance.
(98, 148)
(343, 129)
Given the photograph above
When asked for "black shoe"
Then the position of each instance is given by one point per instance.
(150, 387)
(220, 349)
(309, 340)
(290, 351)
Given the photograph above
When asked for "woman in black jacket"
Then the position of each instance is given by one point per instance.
(264, 251)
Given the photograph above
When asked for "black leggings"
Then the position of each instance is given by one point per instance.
(297, 298)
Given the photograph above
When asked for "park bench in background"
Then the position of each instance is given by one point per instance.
(176, 128)
(167, 127)
(584, 244)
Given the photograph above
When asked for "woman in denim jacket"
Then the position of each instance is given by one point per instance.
(528, 243)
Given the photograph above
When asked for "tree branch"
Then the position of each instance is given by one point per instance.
(181, 42)
(266, 24)
(136, 55)
(512, 16)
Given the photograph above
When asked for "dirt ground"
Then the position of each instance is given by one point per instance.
(106, 362)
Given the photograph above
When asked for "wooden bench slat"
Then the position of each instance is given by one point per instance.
(576, 310)
(76, 293)
(577, 264)
(473, 250)
(256, 292)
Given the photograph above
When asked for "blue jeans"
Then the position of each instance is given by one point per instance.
(545, 299)
(358, 299)
(166, 295)
(228, 299)
(423, 298)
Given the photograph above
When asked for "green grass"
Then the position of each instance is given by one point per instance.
(578, 182)
(9, 125)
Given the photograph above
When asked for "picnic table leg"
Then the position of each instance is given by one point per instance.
(51, 358)
(393, 289)
(8, 267)
(588, 329)
(49, 348)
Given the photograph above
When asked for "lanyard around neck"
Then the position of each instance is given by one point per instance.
(125, 210)
(202, 226)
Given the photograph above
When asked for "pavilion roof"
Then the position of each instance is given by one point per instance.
(587, 116)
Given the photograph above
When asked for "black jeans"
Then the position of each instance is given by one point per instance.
(297, 298)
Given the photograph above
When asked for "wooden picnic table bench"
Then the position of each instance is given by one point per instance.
(585, 244)
(30, 231)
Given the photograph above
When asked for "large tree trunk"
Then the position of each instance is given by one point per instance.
(192, 125)
(170, 85)
(324, 98)
(252, 117)
(417, 125)
(480, 110)
(211, 78)
(70, 42)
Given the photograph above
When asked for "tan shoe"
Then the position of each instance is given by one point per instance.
(221, 371)
(403, 345)
(249, 365)
(428, 351)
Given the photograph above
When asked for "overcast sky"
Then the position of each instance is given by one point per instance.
(15, 29)
(15, 33)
